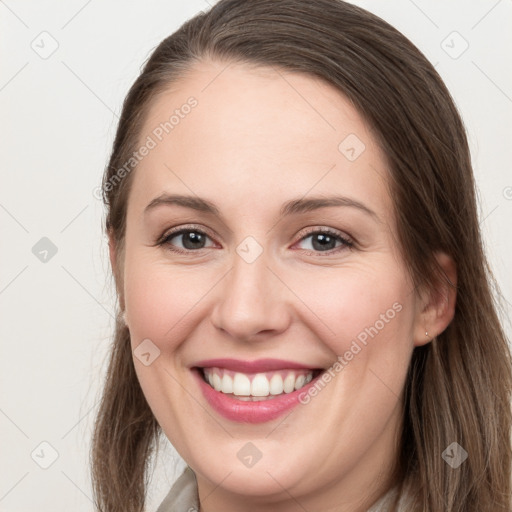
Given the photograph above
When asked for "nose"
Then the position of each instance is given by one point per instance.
(252, 302)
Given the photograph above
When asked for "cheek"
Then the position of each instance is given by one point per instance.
(160, 299)
(366, 305)
(369, 317)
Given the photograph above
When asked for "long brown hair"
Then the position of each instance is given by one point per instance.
(459, 385)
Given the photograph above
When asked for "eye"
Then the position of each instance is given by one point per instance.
(184, 240)
(325, 240)
(190, 239)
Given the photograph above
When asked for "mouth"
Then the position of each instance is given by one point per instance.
(253, 391)
(257, 387)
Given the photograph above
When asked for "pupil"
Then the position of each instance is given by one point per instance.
(191, 240)
(322, 241)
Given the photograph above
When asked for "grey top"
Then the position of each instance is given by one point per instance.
(183, 496)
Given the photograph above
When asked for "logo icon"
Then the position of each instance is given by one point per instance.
(249, 455)
(44, 455)
(44, 250)
(249, 249)
(351, 147)
(454, 45)
(146, 352)
(45, 45)
(454, 455)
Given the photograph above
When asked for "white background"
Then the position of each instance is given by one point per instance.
(58, 121)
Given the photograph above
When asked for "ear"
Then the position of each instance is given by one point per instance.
(112, 248)
(436, 307)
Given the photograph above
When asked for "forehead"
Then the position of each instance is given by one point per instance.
(266, 132)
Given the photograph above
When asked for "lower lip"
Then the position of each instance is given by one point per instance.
(248, 411)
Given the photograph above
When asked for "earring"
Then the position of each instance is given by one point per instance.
(426, 334)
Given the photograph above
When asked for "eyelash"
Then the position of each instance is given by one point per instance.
(345, 242)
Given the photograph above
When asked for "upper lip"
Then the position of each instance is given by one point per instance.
(256, 366)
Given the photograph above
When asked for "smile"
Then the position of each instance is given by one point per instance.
(253, 391)
(256, 386)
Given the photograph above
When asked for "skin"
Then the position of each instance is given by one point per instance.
(256, 139)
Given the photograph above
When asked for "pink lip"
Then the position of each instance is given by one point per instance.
(250, 412)
(260, 365)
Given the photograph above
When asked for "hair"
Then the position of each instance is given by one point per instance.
(458, 386)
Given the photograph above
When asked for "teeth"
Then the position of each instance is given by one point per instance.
(227, 384)
(289, 383)
(216, 382)
(276, 385)
(241, 385)
(260, 385)
(299, 382)
(256, 386)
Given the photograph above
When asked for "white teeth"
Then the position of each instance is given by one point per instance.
(299, 382)
(262, 385)
(241, 385)
(227, 384)
(276, 385)
(289, 383)
(216, 382)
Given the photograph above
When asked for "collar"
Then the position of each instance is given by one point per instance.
(183, 496)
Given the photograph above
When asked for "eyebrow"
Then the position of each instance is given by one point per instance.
(295, 206)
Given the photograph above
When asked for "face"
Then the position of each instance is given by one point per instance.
(270, 312)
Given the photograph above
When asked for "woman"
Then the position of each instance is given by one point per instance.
(305, 309)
